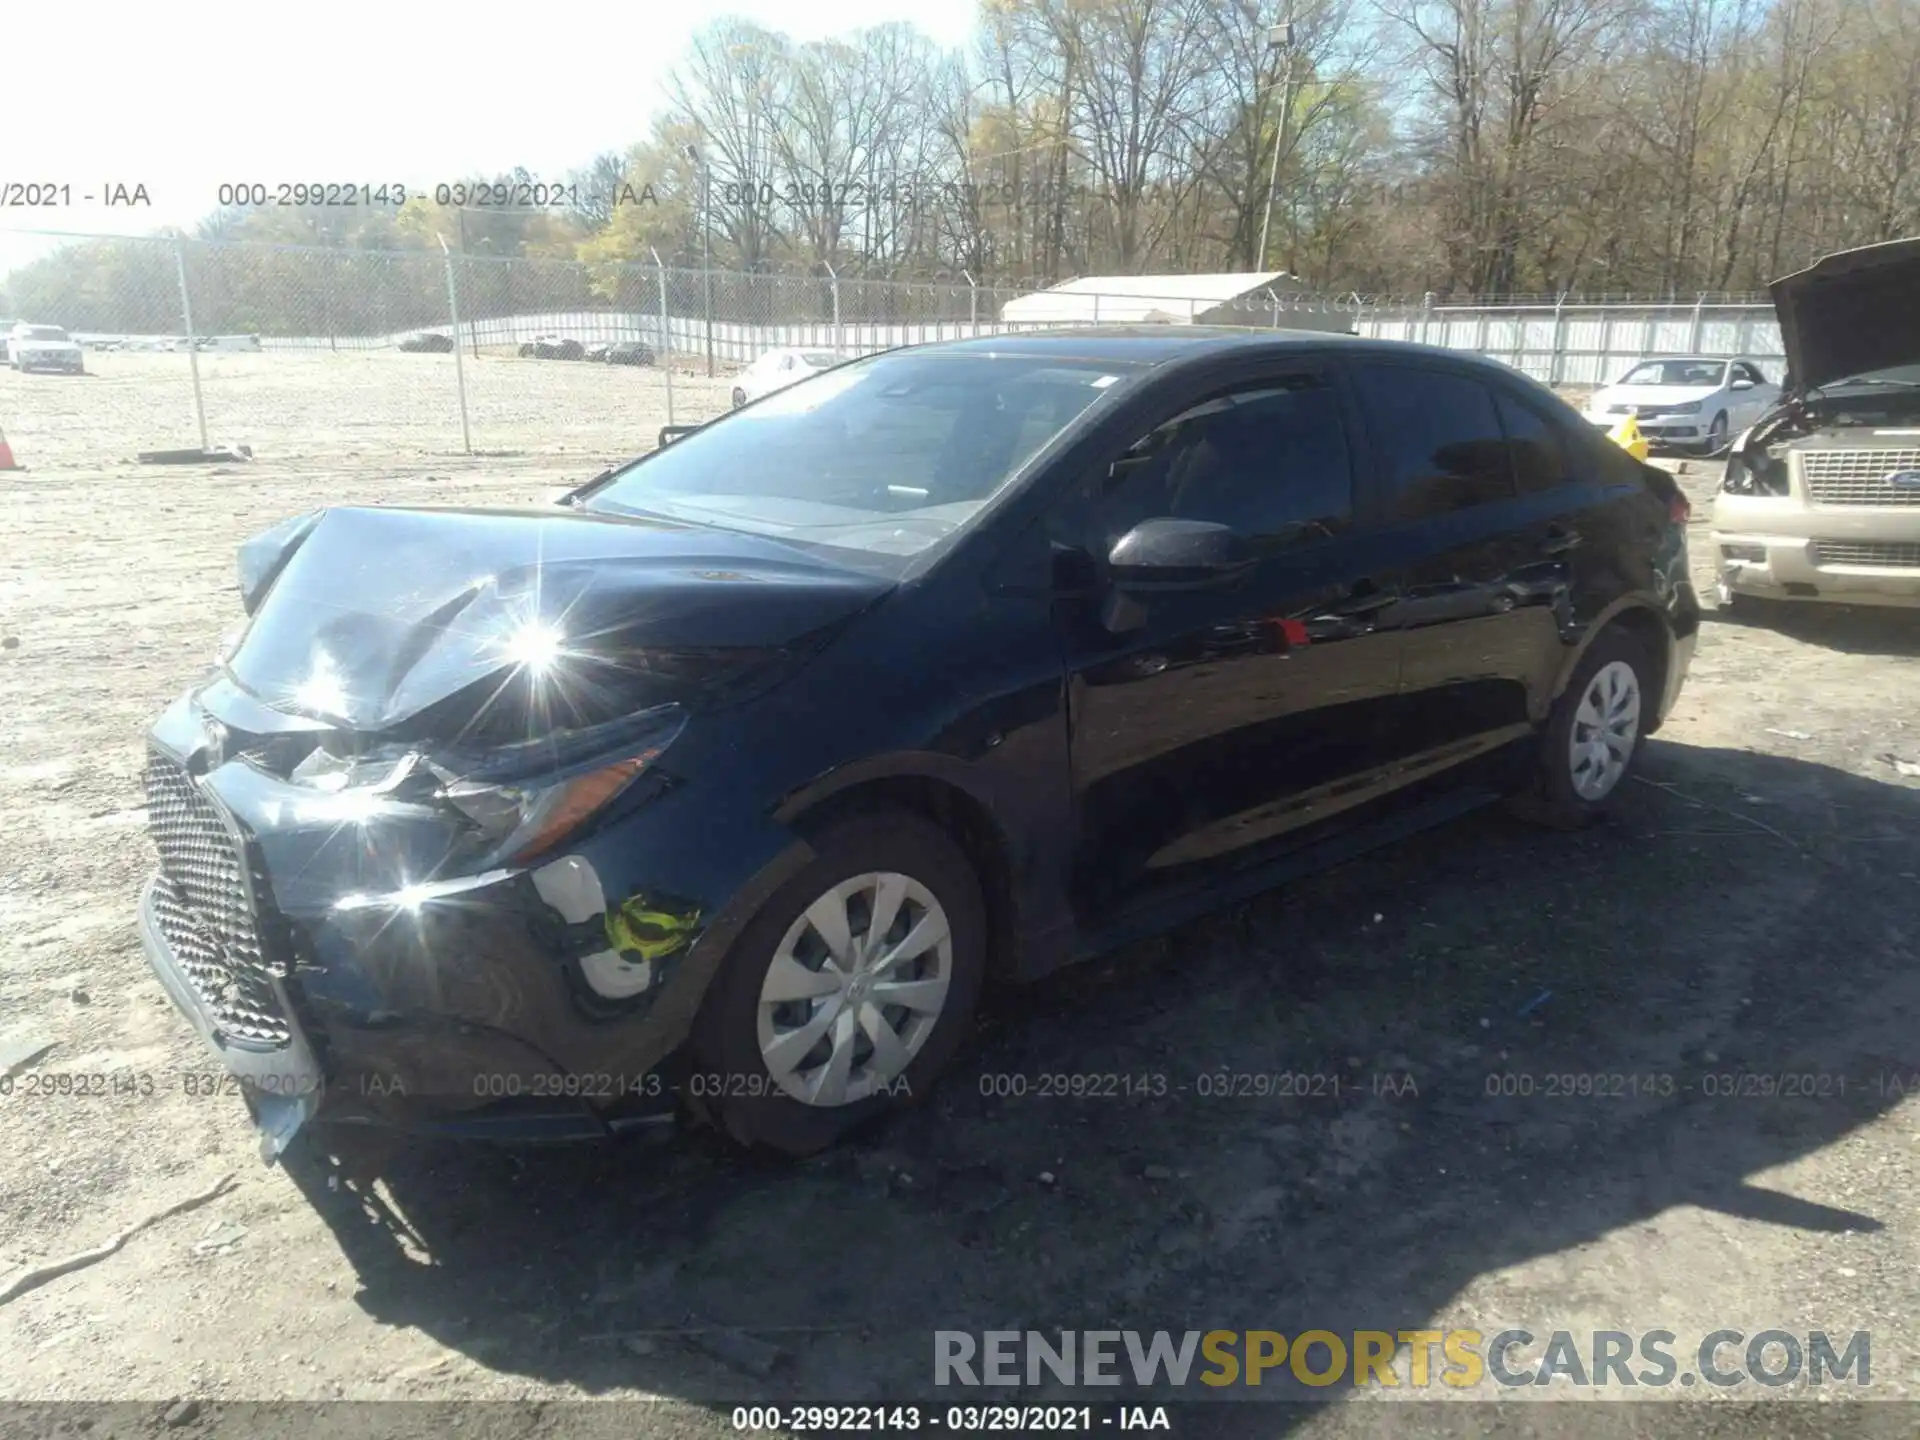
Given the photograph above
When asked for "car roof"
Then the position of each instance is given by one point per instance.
(1172, 346)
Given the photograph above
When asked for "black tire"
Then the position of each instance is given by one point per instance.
(739, 397)
(729, 1083)
(1553, 799)
(1717, 438)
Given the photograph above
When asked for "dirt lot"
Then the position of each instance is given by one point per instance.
(1750, 912)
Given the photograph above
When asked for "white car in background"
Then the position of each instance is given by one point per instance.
(1694, 402)
(44, 347)
(778, 369)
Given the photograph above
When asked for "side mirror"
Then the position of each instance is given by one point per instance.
(1167, 554)
(1741, 382)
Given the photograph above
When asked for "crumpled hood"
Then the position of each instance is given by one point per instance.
(369, 617)
(1851, 312)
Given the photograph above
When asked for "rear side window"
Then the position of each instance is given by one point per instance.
(1538, 448)
(1438, 438)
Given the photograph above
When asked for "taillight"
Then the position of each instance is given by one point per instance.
(1680, 509)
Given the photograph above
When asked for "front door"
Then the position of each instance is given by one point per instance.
(1213, 727)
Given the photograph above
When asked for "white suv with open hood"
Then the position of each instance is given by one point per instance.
(1821, 499)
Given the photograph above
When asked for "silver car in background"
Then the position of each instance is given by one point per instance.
(45, 347)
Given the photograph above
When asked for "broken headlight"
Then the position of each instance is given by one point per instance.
(1754, 474)
(525, 799)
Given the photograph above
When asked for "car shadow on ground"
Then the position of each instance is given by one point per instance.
(1850, 629)
(1741, 915)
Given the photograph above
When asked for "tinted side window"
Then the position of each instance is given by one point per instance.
(1270, 461)
(1439, 440)
(1538, 448)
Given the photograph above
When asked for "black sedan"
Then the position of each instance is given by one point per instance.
(725, 786)
(620, 352)
(552, 347)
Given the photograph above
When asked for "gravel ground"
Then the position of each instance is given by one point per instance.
(1750, 912)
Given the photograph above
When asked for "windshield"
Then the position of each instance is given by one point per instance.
(44, 332)
(818, 359)
(1675, 372)
(889, 454)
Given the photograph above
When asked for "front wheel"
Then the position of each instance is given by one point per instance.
(849, 991)
(1717, 435)
(1594, 735)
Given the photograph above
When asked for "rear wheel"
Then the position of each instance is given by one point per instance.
(1594, 736)
(848, 993)
(739, 397)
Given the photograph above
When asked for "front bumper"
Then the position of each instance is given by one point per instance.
(1780, 547)
(74, 364)
(464, 1005)
(282, 1084)
(1685, 430)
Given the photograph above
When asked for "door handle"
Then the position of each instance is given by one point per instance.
(1559, 540)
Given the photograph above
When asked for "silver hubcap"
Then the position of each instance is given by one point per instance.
(1604, 730)
(855, 988)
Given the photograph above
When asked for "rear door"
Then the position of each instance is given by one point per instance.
(1212, 727)
(1483, 564)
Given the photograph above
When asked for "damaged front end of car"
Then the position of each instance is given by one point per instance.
(400, 877)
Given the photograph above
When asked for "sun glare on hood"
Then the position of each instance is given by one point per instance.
(535, 646)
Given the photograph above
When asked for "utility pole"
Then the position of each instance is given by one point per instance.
(1279, 37)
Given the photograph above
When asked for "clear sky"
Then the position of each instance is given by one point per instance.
(182, 97)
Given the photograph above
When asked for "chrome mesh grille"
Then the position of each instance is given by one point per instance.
(1858, 477)
(201, 904)
(1886, 554)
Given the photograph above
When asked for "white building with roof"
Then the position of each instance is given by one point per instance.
(1260, 298)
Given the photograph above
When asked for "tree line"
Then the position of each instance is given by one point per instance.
(1448, 147)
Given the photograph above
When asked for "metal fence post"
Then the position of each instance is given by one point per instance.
(1096, 307)
(1556, 367)
(833, 283)
(459, 365)
(193, 348)
(1693, 336)
(666, 335)
(973, 303)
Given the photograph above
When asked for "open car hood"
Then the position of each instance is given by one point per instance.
(445, 621)
(1851, 312)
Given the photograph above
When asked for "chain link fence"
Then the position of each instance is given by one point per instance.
(308, 353)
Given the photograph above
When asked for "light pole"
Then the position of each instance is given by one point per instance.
(1279, 37)
(706, 248)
